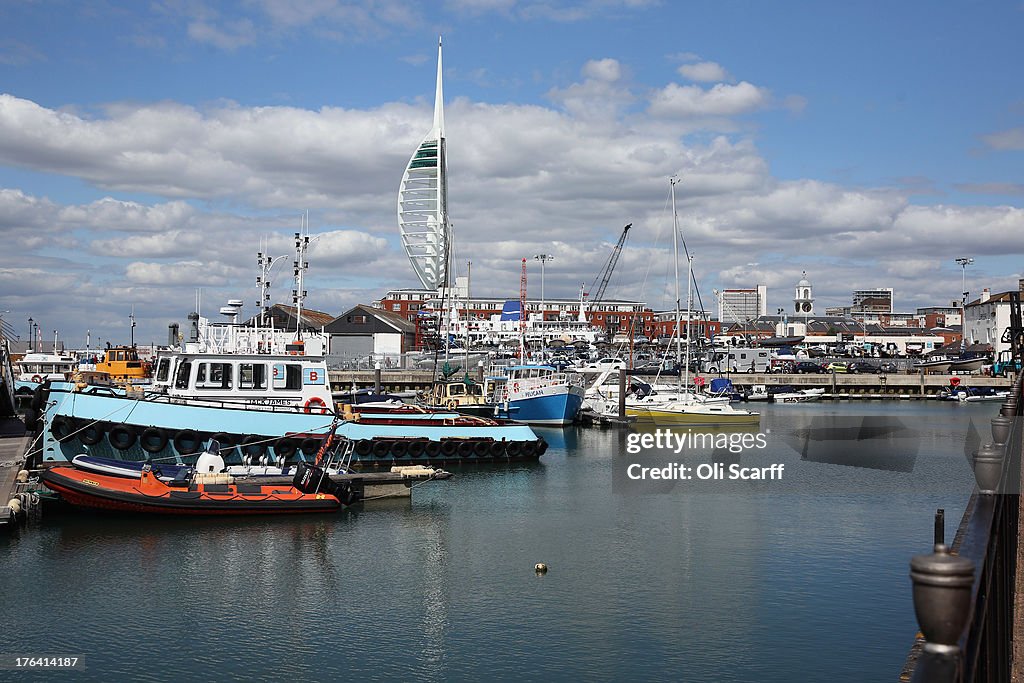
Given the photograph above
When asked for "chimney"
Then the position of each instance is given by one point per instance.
(985, 294)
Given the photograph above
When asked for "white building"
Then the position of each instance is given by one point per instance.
(742, 305)
(872, 300)
(986, 318)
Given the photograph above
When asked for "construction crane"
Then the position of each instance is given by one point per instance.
(606, 273)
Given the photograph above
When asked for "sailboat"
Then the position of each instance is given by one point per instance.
(685, 407)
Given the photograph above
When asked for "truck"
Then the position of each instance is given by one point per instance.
(1004, 364)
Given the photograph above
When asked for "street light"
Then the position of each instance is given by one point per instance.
(543, 258)
(31, 328)
(964, 262)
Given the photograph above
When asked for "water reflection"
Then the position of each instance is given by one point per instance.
(442, 587)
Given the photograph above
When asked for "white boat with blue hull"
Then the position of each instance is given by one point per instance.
(539, 394)
(108, 423)
(260, 393)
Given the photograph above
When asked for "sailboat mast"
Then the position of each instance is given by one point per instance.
(675, 261)
(689, 314)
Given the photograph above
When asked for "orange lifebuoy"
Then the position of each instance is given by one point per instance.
(316, 405)
(698, 381)
(37, 379)
(515, 386)
(954, 381)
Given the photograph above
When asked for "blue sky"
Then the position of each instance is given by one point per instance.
(146, 147)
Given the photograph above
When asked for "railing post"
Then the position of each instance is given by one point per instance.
(942, 604)
(988, 468)
(1001, 425)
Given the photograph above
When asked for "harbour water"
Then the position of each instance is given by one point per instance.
(807, 581)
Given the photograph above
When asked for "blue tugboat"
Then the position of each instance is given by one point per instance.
(538, 394)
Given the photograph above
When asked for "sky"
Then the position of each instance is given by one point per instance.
(146, 149)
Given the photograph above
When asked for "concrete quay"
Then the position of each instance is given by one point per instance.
(882, 385)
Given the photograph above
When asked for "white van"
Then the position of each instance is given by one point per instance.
(740, 360)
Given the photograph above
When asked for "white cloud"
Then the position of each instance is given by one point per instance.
(720, 100)
(228, 36)
(191, 273)
(186, 193)
(1006, 140)
(608, 70)
(704, 72)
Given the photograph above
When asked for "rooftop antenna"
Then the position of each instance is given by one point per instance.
(131, 317)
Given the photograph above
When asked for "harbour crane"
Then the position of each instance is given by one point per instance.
(606, 273)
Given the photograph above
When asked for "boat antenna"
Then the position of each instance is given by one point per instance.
(300, 265)
(131, 317)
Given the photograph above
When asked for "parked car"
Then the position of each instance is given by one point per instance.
(888, 366)
(836, 366)
(861, 366)
(605, 364)
(806, 366)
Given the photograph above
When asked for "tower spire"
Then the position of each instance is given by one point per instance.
(439, 97)
(423, 201)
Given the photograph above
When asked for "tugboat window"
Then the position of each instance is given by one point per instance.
(293, 377)
(213, 376)
(252, 376)
(163, 369)
(184, 370)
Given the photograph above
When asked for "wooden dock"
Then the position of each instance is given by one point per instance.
(13, 444)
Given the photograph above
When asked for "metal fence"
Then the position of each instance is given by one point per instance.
(964, 594)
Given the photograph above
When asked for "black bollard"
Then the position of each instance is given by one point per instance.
(940, 527)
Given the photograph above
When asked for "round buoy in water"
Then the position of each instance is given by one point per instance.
(540, 568)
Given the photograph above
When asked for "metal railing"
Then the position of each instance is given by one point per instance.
(964, 594)
(405, 361)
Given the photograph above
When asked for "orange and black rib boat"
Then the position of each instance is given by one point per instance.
(197, 495)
